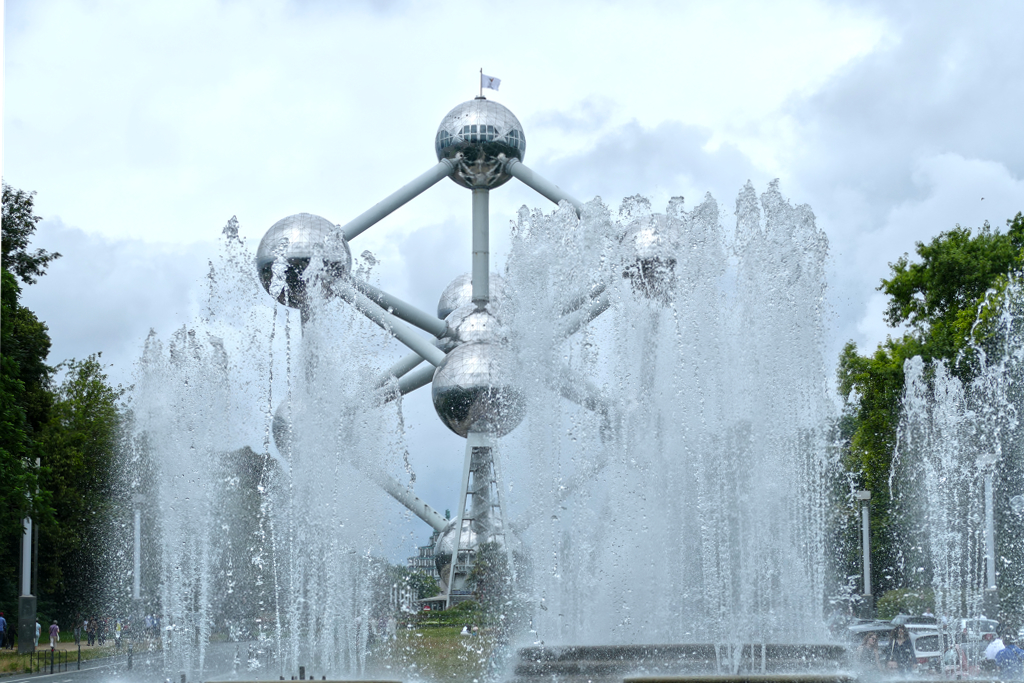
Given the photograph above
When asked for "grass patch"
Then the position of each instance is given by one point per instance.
(12, 662)
(433, 652)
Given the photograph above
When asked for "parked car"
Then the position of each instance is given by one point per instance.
(978, 629)
(928, 645)
(907, 619)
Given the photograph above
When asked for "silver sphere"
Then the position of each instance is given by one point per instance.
(485, 134)
(651, 246)
(281, 428)
(471, 324)
(298, 239)
(473, 390)
(445, 544)
(459, 293)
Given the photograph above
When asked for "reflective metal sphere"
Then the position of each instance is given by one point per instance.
(459, 293)
(445, 544)
(485, 134)
(651, 245)
(470, 324)
(297, 239)
(474, 390)
(281, 428)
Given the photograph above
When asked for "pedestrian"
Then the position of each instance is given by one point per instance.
(117, 635)
(92, 631)
(868, 655)
(54, 634)
(3, 630)
(901, 652)
(1010, 659)
(78, 630)
(39, 631)
(994, 648)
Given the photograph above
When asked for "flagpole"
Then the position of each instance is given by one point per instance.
(481, 81)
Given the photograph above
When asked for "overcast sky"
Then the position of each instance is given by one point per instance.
(145, 126)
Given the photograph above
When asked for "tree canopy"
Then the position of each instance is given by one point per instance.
(935, 298)
(19, 224)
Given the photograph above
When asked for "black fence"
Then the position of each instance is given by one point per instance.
(51, 661)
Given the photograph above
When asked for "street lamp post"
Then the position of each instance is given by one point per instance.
(987, 463)
(865, 526)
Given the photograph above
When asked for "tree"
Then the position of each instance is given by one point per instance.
(25, 402)
(19, 224)
(937, 299)
(78, 445)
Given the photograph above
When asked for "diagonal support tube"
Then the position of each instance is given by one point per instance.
(578, 301)
(400, 368)
(397, 199)
(574, 387)
(401, 309)
(419, 377)
(407, 497)
(389, 323)
(572, 322)
(541, 185)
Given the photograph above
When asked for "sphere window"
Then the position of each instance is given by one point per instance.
(444, 139)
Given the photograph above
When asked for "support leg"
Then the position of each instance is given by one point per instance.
(481, 249)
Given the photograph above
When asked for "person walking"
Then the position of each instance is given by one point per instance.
(54, 634)
(117, 635)
(39, 632)
(3, 630)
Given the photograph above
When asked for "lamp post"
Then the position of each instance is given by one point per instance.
(987, 463)
(27, 601)
(865, 528)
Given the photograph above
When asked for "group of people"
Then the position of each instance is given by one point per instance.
(897, 658)
(7, 634)
(1007, 655)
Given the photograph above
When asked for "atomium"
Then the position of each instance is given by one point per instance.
(480, 145)
(459, 293)
(651, 245)
(473, 390)
(287, 249)
(480, 135)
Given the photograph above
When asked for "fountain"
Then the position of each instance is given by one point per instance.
(643, 397)
(960, 480)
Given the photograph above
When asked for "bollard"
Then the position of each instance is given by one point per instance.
(182, 678)
(51, 660)
(130, 653)
(302, 673)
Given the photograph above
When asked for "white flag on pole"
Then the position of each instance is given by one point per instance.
(489, 82)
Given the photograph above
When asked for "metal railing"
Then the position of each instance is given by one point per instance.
(50, 661)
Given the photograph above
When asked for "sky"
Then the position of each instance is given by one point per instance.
(145, 126)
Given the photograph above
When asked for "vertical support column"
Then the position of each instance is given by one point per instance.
(865, 529)
(27, 601)
(990, 536)
(137, 564)
(471, 440)
(481, 248)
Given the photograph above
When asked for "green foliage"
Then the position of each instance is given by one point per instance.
(936, 298)
(78, 445)
(25, 402)
(19, 224)
(904, 601)
(466, 613)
